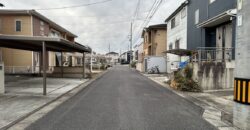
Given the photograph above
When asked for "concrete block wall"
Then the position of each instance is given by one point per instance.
(139, 67)
(212, 75)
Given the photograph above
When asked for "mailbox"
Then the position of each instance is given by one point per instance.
(2, 87)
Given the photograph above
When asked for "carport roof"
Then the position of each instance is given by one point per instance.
(32, 43)
(180, 52)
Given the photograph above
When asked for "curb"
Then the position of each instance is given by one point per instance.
(211, 114)
(83, 85)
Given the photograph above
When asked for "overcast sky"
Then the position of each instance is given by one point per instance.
(102, 24)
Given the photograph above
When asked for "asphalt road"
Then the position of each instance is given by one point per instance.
(123, 99)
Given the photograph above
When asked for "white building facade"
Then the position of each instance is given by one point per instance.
(176, 36)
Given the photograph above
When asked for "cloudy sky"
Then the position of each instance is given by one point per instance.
(101, 24)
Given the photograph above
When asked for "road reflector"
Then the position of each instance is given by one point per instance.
(244, 92)
(248, 95)
(238, 96)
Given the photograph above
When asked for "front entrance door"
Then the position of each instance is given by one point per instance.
(223, 41)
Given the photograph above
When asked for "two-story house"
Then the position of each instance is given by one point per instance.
(207, 28)
(113, 57)
(212, 26)
(154, 37)
(125, 57)
(211, 31)
(177, 36)
(29, 23)
(154, 43)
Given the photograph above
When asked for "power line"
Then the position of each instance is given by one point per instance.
(147, 17)
(109, 23)
(136, 10)
(150, 15)
(97, 16)
(75, 6)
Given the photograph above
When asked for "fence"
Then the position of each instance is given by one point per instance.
(26, 69)
(37, 69)
(214, 54)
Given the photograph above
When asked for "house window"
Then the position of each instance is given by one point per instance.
(211, 1)
(42, 28)
(197, 16)
(42, 33)
(240, 4)
(170, 46)
(41, 23)
(177, 44)
(183, 13)
(18, 25)
(79, 60)
(239, 20)
(173, 23)
(54, 33)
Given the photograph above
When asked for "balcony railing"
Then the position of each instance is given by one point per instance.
(214, 54)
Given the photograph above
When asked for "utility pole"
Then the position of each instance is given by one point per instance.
(91, 60)
(131, 42)
(109, 55)
(242, 59)
(109, 47)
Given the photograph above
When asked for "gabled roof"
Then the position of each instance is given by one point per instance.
(112, 53)
(157, 26)
(35, 13)
(184, 4)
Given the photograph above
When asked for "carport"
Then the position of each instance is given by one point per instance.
(43, 44)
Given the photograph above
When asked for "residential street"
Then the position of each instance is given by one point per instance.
(123, 99)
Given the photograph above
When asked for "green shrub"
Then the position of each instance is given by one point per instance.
(103, 67)
(133, 64)
(184, 81)
(188, 72)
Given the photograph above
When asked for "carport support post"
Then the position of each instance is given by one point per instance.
(62, 64)
(83, 65)
(1, 55)
(40, 63)
(44, 69)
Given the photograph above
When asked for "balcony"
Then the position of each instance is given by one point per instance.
(214, 54)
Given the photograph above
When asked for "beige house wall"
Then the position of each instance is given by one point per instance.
(154, 43)
(8, 25)
(160, 41)
(157, 42)
(14, 57)
(52, 59)
(30, 26)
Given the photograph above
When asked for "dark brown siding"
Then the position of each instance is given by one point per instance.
(37, 27)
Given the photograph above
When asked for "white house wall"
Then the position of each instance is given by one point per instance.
(177, 33)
